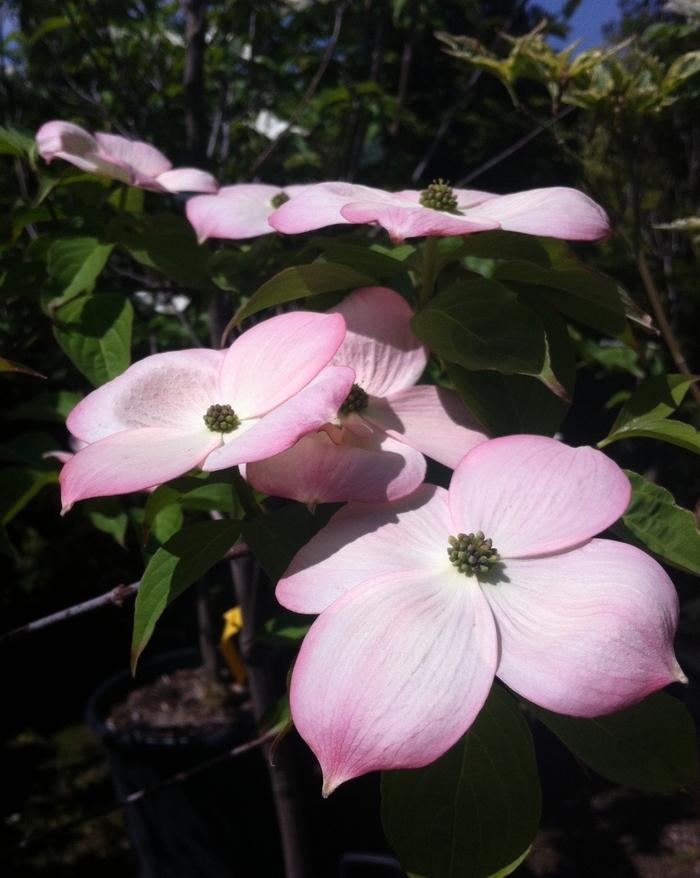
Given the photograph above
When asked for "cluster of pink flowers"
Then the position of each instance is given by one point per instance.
(424, 595)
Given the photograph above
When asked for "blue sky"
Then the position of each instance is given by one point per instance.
(590, 17)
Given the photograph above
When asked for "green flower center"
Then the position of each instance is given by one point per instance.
(439, 196)
(221, 419)
(280, 199)
(355, 401)
(472, 553)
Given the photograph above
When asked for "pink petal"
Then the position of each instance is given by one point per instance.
(278, 430)
(362, 542)
(145, 161)
(432, 419)
(229, 214)
(57, 137)
(558, 211)
(374, 469)
(533, 495)
(73, 144)
(393, 673)
(187, 180)
(587, 632)
(379, 344)
(467, 198)
(132, 461)
(318, 206)
(278, 357)
(402, 219)
(171, 390)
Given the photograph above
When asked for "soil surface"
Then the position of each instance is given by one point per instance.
(183, 699)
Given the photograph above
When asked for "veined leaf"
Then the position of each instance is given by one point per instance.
(650, 746)
(183, 560)
(301, 281)
(95, 332)
(474, 812)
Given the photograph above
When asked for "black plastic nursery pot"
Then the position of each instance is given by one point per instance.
(218, 822)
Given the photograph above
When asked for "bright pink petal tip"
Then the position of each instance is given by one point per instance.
(392, 674)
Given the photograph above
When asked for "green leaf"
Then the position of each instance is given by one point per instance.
(301, 281)
(650, 746)
(666, 430)
(655, 398)
(75, 264)
(108, 515)
(480, 324)
(127, 198)
(18, 485)
(10, 366)
(644, 415)
(506, 246)
(183, 560)
(15, 142)
(276, 537)
(474, 811)
(95, 332)
(168, 244)
(654, 521)
(366, 260)
(47, 407)
(214, 492)
(507, 404)
(581, 294)
(287, 629)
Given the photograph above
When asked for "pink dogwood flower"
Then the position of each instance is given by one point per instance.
(557, 212)
(373, 450)
(203, 408)
(237, 212)
(423, 601)
(109, 155)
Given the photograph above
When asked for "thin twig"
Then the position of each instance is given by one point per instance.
(664, 325)
(513, 148)
(310, 91)
(115, 597)
(139, 795)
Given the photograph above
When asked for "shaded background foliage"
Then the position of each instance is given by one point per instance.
(370, 95)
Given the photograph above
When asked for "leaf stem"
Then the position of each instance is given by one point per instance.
(664, 325)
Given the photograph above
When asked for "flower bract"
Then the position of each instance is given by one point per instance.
(407, 644)
(110, 155)
(558, 212)
(203, 408)
(373, 451)
(237, 212)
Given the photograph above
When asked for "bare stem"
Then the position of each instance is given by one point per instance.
(246, 576)
(664, 325)
(310, 91)
(115, 597)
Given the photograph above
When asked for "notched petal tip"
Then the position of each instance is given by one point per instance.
(330, 785)
(678, 674)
